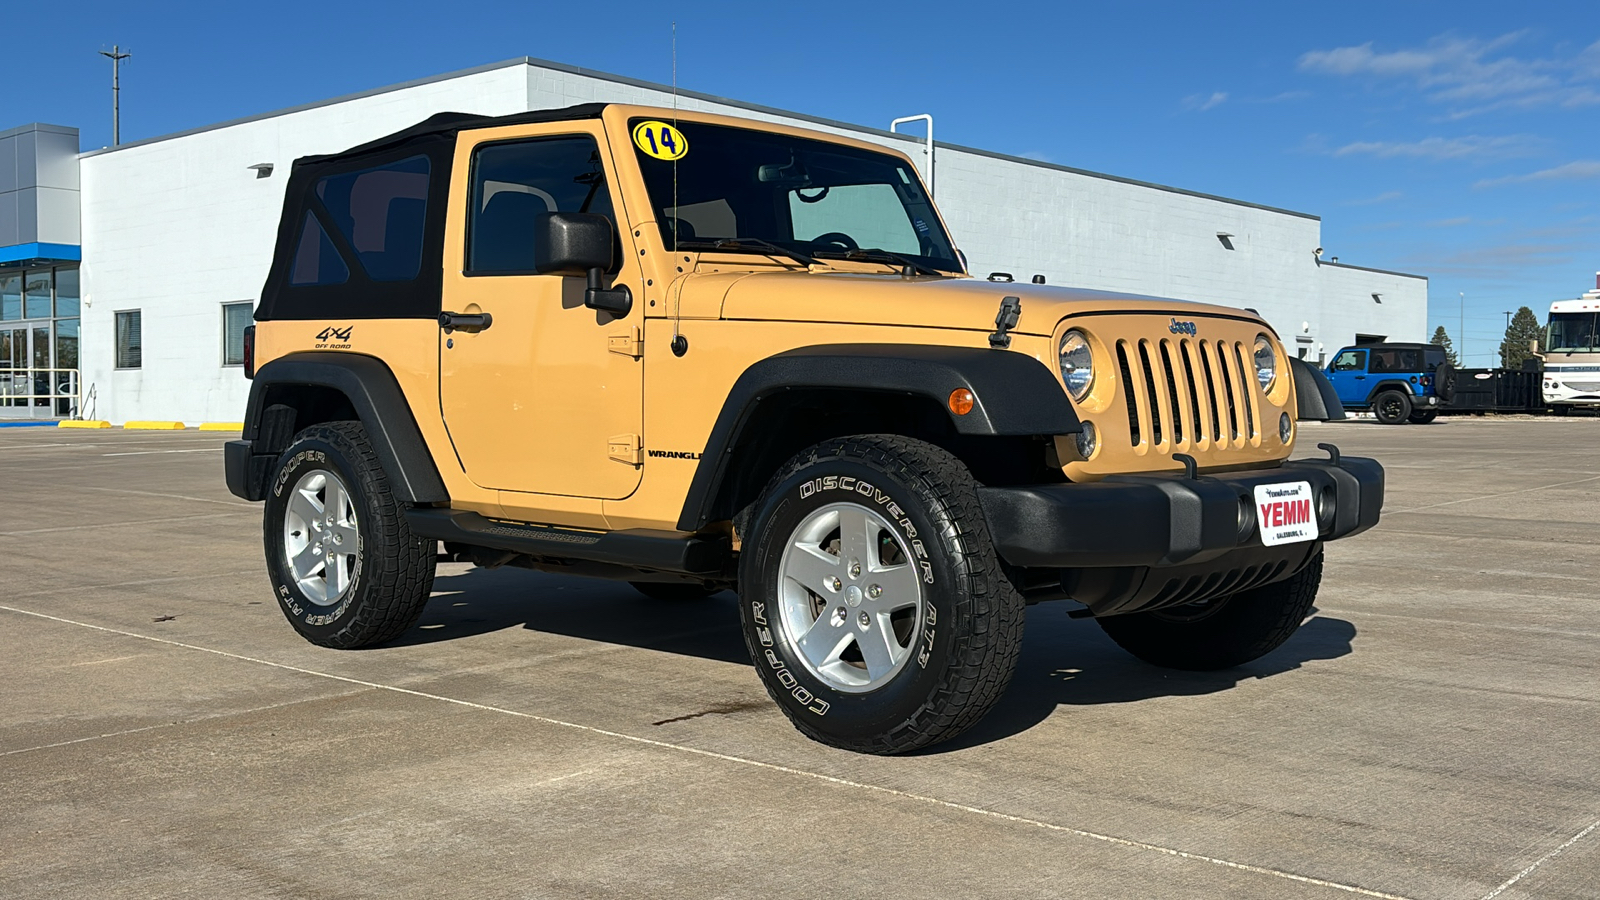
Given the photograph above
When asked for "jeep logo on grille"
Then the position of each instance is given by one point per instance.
(1183, 328)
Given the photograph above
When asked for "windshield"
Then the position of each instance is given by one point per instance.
(1577, 332)
(821, 199)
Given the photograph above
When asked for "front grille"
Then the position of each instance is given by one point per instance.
(1188, 394)
(1585, 386)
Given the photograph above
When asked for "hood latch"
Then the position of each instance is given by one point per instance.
(1005, 320)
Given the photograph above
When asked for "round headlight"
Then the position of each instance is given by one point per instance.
(1266, 362)
(1077, 364)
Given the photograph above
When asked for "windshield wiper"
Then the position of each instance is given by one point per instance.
(750, 244)
(884, 256)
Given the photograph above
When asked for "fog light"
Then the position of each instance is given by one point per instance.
(1086, 441)
(1285, 427)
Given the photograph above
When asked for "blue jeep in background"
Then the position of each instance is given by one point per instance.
(1398, 382)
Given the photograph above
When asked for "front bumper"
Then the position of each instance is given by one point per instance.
(1161, 520)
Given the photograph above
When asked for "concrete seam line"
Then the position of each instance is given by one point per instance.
(144, 522)
(176, 723)
(1541, 861)
(712, 754)
(168, 496)
(135, 583)
(1543, 487)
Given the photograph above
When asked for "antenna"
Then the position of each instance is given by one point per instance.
(680, 344)
(116, 56)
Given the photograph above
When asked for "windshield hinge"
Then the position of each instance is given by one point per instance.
(627, 342)
(1005, 320)
(626, 448)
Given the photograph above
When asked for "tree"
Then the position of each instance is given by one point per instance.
(1524, 327)
(1441, 339)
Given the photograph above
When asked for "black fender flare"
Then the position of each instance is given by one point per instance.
(375, 395)
(1397, 383)
(1316, 399)
(1014, 395)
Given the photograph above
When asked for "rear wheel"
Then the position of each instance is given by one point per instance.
(871, 599)
(345, 567)
(1391, 407)
(1423, 416)
(1223, 632)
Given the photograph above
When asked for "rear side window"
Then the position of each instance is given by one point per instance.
(513, 183)
(381, 215)
(1397, 359)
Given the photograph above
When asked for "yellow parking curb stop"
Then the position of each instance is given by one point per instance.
(222, 426)
(152, 426)
(83, 423)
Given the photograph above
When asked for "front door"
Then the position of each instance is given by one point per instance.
(548, 398)
(1348, 372)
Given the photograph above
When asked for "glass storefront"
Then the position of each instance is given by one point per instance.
(39, 342)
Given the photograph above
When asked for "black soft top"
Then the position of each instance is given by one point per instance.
(360, 296)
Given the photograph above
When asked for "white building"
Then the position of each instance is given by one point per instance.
(177, 230)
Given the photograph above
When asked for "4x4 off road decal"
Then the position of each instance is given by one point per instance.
(334, 338)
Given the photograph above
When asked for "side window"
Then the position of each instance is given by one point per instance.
(380, 211)
(1396, 360)
(512, 183)
(1350, 361)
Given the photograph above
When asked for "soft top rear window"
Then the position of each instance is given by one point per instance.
(380, 212)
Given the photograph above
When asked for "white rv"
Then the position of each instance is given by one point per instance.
(1572, 353)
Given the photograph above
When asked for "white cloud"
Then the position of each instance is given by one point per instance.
(1471, 146)
(1474, 75)
(1384, 197)
(1572, 171)
(1202, 102)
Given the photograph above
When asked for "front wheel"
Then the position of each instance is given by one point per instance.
(1391, 407)
(871, 600)
(345, 567)
(1223, 632)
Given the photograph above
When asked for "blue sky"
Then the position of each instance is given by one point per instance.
(1460, 141)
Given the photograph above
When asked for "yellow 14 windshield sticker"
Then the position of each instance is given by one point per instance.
(660, 140)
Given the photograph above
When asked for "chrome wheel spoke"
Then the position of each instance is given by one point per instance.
(898, 587)
(306, 562)
(814, 569)
(855, 534)
(879, 649)
(826, 638)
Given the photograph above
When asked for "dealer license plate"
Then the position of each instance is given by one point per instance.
(1286, 513)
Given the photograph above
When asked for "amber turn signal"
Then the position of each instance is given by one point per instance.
(961, 401)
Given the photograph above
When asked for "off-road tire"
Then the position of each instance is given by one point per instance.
(1422, 416)
(1224, 633)
(1560, 409)
(1391, 407)
(393, 575)
(965, 648)
(674, 591)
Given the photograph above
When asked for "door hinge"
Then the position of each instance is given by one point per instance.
(626, 448)
(628, 342)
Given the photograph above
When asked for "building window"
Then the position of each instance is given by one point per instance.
(235, 318)
(130, 340)
(36, 299)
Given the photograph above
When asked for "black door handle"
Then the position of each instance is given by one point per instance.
(468, 322)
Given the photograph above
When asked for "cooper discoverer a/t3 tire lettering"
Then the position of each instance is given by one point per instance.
(345, 568)
(870, 597)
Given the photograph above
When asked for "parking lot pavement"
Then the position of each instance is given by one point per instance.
(1430, 733)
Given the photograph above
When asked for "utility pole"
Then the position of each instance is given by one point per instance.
(116, 56)
(1462, 329)
(1508, 320)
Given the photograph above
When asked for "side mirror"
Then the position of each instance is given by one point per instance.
(580, 244)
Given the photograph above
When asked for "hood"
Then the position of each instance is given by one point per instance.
(960, 303)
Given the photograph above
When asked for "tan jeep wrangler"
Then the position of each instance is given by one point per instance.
(698, 353)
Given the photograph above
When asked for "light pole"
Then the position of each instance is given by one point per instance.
(1462, 327)
(116, 56)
